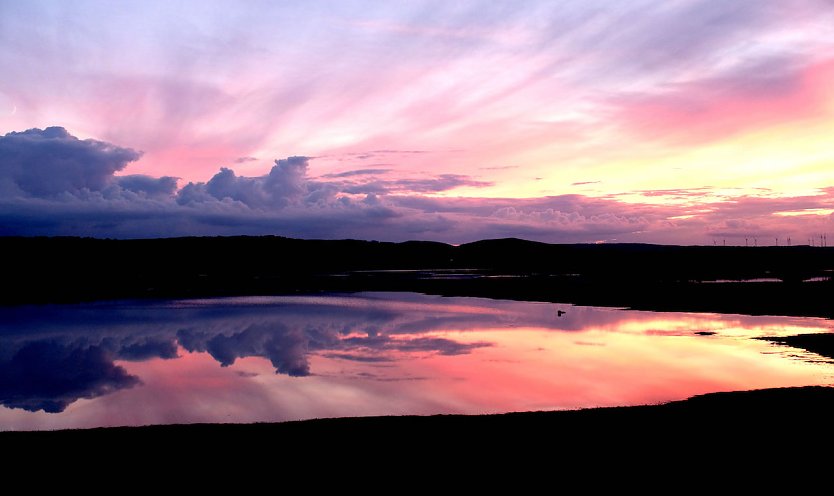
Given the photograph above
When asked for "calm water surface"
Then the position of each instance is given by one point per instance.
(284, 358)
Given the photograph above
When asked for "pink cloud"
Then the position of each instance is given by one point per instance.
(758, 96)
(93, 201)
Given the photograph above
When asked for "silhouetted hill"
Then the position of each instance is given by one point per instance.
(637, 275)
(681, 263)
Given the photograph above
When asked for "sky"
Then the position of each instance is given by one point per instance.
(684, 121)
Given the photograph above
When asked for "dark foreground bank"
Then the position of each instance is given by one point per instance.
(763, 423)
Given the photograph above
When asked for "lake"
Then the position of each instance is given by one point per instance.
(253, 359)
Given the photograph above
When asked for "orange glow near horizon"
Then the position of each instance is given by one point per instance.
(537, 369)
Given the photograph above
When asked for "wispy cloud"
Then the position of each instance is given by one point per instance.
(435, 98)
(558, 88)
(358, 172)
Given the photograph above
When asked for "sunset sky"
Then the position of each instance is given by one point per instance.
(684, 121)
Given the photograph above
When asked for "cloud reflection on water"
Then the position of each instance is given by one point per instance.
(52, 356)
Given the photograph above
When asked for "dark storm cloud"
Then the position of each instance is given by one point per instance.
(286, 349)
(56, 184)
(48, 376)
(150, 186)
(51, 162)
(146, 348)
(285, 184)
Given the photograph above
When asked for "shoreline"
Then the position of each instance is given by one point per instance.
(741, 436)
(792, 281)
(755, 408)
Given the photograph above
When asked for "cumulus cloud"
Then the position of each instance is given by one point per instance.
(47, 375)
(50, 162)
(285, 184)
(149, 186)
(146, 348)
(56, 184)
(285, 348)
(606, 222)
(288, 348)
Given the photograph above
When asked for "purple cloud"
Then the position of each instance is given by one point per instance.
(47, 375)
(51, 162)
(358, 172)
(87, 198)
(149, 186)
(441, 346)
(443, 182)
(285, 184)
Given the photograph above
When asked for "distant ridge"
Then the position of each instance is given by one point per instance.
(637, 275)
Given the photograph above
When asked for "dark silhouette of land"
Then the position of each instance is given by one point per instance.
(652, 277)
(821, 344)
(774, 423)
(767, 426)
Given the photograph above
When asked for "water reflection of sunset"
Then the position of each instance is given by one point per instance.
(277, 358)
